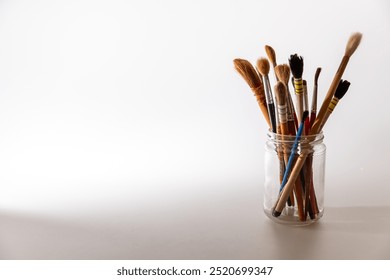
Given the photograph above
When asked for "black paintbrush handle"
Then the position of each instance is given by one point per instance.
(272, 116)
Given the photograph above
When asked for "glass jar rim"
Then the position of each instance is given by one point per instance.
(280, 138)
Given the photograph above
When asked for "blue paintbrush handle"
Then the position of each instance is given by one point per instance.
(293, 151)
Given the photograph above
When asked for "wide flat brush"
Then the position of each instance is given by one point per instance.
(249, 74)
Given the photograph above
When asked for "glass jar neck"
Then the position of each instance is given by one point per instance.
(313, 139)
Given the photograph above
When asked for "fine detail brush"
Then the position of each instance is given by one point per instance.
(249, 74)
(313, 112)
(263, 66)
(296, 66)
(341, 90)
(351, 47)
(272, 57)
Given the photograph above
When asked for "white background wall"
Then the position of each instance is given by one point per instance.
(112, 107)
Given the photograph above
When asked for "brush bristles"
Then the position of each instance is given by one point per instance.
(318, 71)
(281, 93)
(271, 54)
(342, 89)
(353, 43)
(248, 72)
(263, 66)
(296, 66)
(283, 73)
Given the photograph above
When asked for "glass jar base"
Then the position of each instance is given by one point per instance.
(290, 217)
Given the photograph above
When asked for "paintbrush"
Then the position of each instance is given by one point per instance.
(263, 67)
(296, 66)
(281, 101)
(248, 73)
(351, 47)
(341, 90)
(272, 57)
(313, 112)
(285, 189)
(306, 106)
(282, 71)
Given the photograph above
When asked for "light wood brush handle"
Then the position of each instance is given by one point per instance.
(288, 187)
(328, 98)
(351, 47)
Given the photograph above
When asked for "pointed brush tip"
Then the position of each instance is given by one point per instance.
(353, 43)
(271, 54)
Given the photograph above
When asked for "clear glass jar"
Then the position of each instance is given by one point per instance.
(305, 194)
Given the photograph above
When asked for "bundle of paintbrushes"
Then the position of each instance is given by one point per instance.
(295, 128)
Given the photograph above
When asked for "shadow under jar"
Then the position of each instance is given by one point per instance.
(305, 197)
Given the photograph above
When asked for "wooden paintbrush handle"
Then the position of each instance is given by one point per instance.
(298, 87)
(332, 89)
(289, 185)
